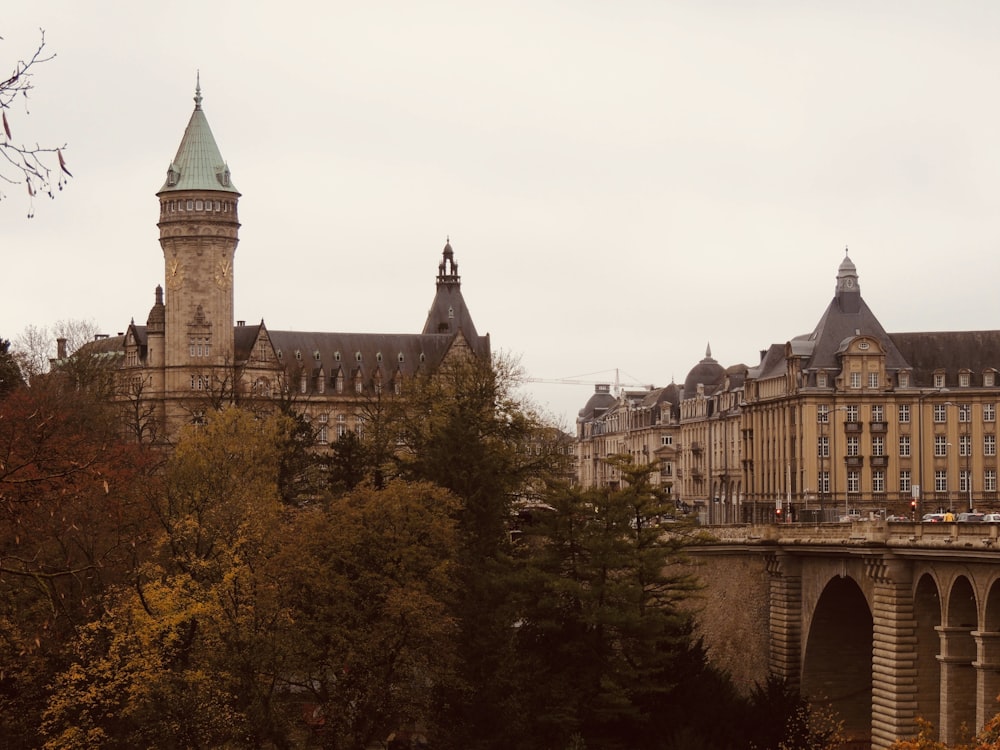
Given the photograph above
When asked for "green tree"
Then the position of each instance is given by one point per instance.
(465, 428)
(602, 637)
(369, 580)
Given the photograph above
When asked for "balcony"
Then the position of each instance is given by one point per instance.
(697, 473)
(880, 461)
(854, 462)
(878, 427)
(852, 427)
(696, 447)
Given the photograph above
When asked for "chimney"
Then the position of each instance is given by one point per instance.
(61, 348)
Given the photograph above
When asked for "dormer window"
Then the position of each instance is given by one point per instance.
(378, 357)
(173, 176)
(298, 355)
(316, 355)
(989, 379)
(399, 357)
(964, 379)
(357, 356)
(939, 380)
(336, 356)
(904, 380)
(863, 345)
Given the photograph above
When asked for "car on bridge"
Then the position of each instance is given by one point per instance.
(991, 518)
(970, 517)
(933, 518)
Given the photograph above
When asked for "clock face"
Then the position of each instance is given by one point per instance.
(849, 283)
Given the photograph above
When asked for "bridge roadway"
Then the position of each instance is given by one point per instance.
(884, 622)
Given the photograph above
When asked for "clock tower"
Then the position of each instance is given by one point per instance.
(199, 230)
(848, 291)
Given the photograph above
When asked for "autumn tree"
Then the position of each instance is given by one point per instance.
(10, 373)
(72, 525)
(41, 169)
(184, 657)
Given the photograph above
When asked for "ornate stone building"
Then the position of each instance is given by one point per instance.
(847, 419)
(192, 354)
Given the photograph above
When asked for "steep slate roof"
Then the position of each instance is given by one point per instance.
(708, 373)
(198, 164)
(949, 351)
(449, 313)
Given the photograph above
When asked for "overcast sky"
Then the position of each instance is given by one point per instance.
(623, 183)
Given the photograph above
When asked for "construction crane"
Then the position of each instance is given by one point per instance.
(618, 384)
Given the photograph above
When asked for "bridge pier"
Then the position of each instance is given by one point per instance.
(894, 652)
(785, 656)
(987, 667)
(958, 682)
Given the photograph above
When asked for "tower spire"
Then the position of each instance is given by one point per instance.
(197, 91)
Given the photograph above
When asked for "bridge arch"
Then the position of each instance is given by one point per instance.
(837, 664)
(958, 655)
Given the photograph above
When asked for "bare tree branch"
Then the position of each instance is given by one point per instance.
(20, 162)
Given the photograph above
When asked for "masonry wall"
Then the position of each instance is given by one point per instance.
(732, 614)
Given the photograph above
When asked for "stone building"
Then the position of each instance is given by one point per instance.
(192, 354)
(847, 419)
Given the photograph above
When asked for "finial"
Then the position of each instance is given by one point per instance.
(197, 92)
(708, 350)
(845, 251)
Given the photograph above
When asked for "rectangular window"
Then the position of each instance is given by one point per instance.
(851, 413)
(904, 446)
(821, 380)
(853, 445)
(904, 480)
(824, 446)
(989, 379)
(964, 479)
(855, 380)
(939, 380)
(878, 413)
(824, 482)
(989, 412)
(341, 426)
(940, 481)
(940, 413)
(854, 481)
(940, 445)
(878, 445)
(989, 445)
(904, 413)
(873, 380)
(904, 380)
(666, 439)
(878, 481)
(823, 413)
(990, 480)
(965, 445)
(963, 380)
(965, 412)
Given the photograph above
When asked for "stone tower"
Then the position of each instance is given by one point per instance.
(199, 230)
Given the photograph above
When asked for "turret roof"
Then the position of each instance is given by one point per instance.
(198, 164)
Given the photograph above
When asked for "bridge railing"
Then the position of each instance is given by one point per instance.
(902, 534)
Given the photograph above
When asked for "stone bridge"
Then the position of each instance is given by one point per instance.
(884, 622)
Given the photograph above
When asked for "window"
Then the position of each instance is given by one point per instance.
(873, 380)
(341, 426)
(990, 480)
(965, 481)
(851, 413)
(940, 481)
(338, 382)
(989, 412)
(321, 434)
(940, 413)
(359, 426)
(989, 445)
(824, 482)
(824, 446)
(965, 412)
(904, 446)
(198, 418)
(666, 439)
(904, 480)
(878, 413)
(199, 346)
(853, 445)
(940, 445)
(878, 445)
(965, 445)
(821, 380)
(989, 379)
(963, 380)
(359, 387)
(904, 413)
(904, 380)
(878, 481)
(939, 380)
(823, 413)
(853, 481)
(303, 383)
(855, 380)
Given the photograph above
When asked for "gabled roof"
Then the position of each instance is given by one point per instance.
(198, 164)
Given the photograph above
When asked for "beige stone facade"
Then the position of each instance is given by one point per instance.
(192, 355)
(847, 419)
